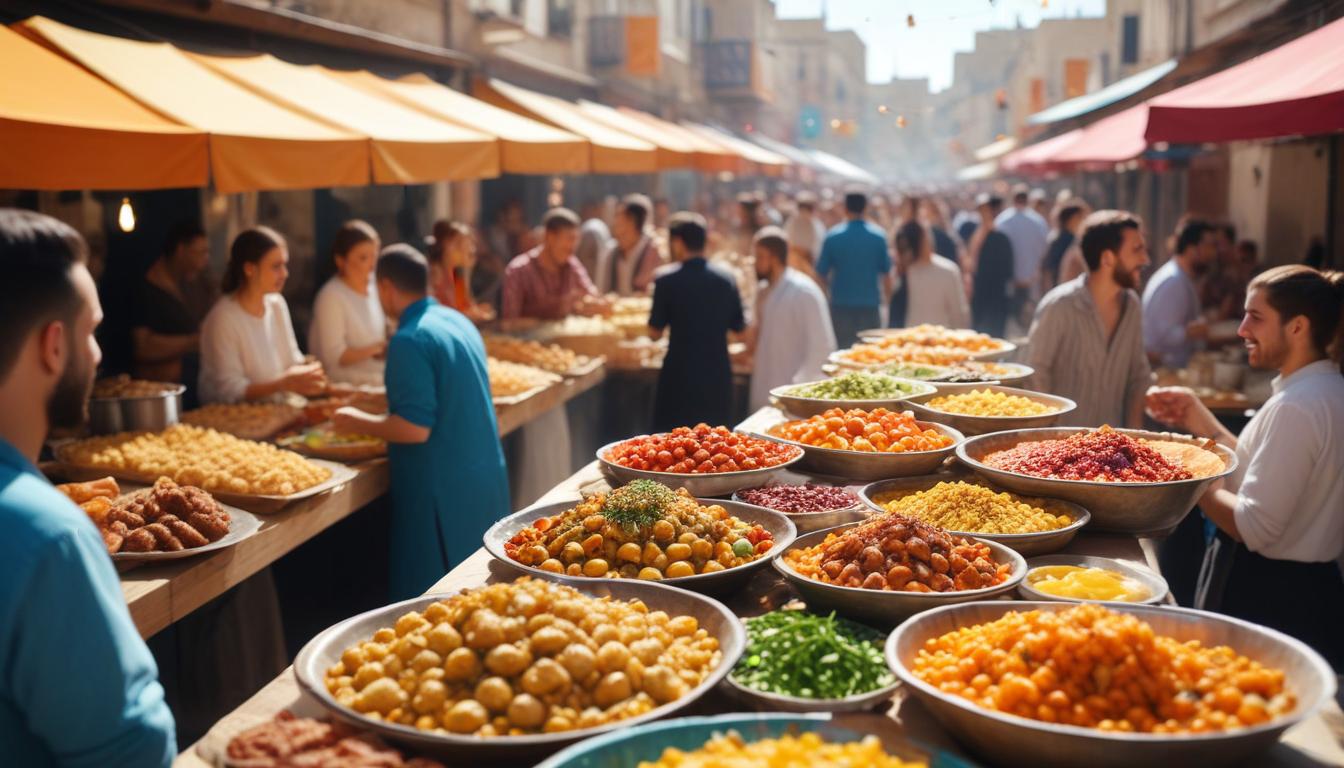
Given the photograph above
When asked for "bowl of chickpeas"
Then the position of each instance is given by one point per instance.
(704, 545)
(1056, 684)
(991, 408)
(514, 670)
(866, 445)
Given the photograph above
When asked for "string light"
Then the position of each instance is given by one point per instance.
(900, 121)
(126, 216)
(882, 109)
(910, 20)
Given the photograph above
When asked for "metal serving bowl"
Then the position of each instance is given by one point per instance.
(1012, 374)
(870, 465)
(324, 651)
(812, 406)
(779, 525)
(1157, 586)
(1024, 544)
(1012, 740)
(1141, 508)
(151, 413)
(807, 522)
(700, 485)
(979, 425)
(881, 607)
(780, 703)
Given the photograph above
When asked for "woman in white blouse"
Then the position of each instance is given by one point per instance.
(348, 334)
(248, 350)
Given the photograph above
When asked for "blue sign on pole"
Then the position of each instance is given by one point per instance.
(809, 121)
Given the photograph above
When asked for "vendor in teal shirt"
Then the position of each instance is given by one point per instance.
(78, 687)
(449, 483)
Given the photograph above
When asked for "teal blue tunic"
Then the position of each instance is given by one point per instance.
(449, 489)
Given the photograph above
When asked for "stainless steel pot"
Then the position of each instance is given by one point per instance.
(109, 415)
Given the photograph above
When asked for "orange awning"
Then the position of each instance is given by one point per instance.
(525, 145)
(254, 142)
(409, 147)
(613, 151)
(769, 163)
(63, 128)
(710, 157)
(673, 150)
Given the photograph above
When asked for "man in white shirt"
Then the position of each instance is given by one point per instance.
(1172, 326)
(804, 231)
(931, 289)
(1278, 558)
(1029, 234)
(792, 336)
(625, 267)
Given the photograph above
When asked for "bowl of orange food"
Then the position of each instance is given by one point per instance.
(867, 445)
(1056, 684)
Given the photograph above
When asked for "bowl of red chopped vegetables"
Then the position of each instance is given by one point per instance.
(1131, 480)
(811, 506)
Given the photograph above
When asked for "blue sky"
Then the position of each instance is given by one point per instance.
(942, 27)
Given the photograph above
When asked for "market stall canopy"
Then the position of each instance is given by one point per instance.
(1296, 89)
(64, 128)
(979, 171)
(407, 146)
(996, 149)
(1039, 157)
(710, 156)
(611, 150)
(842, 167)
(767, 162)
(798, 157)
(1111, 140)
(525, 146)
(1104, 97)
(254, 142)
(673, 150)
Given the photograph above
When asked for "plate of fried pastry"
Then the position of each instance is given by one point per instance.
(165, 521)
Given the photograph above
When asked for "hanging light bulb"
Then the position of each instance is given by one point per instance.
(900, 121)
(883, 109)
(126, 216)
(910, 20)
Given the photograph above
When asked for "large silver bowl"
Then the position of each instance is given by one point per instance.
(110, 415)
(779, 525)
(1018, 741)
(700, 485)
(979, 425)
(761, 700)
(1152, 509)
(1157, 586)
(870, 465)
(881, 607)
(325, 651)
(812, 406)
(807, 522)
(1025, 544)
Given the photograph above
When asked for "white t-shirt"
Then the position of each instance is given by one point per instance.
(937, 294)
(239, 349)
(805, 233)
(1290, 469)
(795, 336)
(344, 319)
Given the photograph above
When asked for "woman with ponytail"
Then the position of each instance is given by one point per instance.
(348, 334)
(1278, 558)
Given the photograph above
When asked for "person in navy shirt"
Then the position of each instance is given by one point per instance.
(855, 262)
(78, 687)
(700, 304)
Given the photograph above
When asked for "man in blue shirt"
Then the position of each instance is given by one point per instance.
(449, 483)
(855, 261)
(78, 687)
(1173, 328)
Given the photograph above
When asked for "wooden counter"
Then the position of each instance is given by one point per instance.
(1317, 741)
(511, 417)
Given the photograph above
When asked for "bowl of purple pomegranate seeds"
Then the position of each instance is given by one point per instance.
(811, 506)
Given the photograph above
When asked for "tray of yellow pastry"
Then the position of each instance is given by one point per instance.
(322, 441)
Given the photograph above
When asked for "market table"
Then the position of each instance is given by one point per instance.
(1318, 741)
(511, 417)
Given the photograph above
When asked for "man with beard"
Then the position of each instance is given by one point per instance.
(1173, 328)
(1278, 556)
(792, 336)
(79, 686)
(1087, 337)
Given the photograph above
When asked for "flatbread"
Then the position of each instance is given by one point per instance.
(1200, 462)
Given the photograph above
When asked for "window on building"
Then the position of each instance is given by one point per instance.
(802, 67)
(704, 29)
(839, 90)
(516, 8)
(1129, 39)
(559, 17)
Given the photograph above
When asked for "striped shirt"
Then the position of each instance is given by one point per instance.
(1073, 358)
(531, 291)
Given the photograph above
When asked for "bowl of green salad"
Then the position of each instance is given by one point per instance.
(855, 389)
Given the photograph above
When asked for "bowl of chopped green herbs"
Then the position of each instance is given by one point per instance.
(799, 661)
(855, 389)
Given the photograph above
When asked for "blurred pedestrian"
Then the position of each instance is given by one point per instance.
(992, 281)
(1027, 231)
(792, 337)
(1173, 326)
(1063, 260)
(855, 263)
(930, 287)
(626, 266)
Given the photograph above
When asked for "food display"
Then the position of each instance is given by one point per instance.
(523, 657)
(805, 750)
(855, 385)
(642, 530)
(869, 355)
(302, 742)
(205, 458)
(800, 499)
(511, 379)
(574, 325)
(552, 358)
(1093, 667)
(965, 372)
(1100, 455)
(877, 430)
(699, 450)
(804, 655)
(250, 421)
(323, 441)
(122, 386)
(1199, 460)
(166, 517)
(935, 336)
(985, 402)
(962, 506)
(1086, 583)
(897, 553)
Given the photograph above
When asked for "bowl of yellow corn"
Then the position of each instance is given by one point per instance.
(991, 408)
